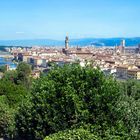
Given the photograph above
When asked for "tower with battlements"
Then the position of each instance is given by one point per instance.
(123, 43)
(67, 43)
(122, 47)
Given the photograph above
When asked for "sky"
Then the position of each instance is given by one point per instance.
(54, 19)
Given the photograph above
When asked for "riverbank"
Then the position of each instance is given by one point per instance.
(7, 61)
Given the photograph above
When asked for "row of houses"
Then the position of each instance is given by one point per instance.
(125, 72)
(124, 66)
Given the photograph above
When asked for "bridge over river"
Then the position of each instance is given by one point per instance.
(7, 56)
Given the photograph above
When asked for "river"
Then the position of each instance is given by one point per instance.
(7, 61)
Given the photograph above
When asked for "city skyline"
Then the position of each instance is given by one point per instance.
(53, 19)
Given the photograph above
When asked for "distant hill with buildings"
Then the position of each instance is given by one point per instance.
(73, 42)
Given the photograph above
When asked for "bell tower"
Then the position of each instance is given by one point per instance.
(67, 42)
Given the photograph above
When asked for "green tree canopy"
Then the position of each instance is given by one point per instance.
(74, 134)
(23, 74)
(3, 69)
(14, 94)
(6, 116)
(68, 96)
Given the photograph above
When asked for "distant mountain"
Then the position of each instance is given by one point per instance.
(106, 41)
(73, 42)
(31, 42)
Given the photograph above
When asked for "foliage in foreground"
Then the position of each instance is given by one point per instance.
(12, 94)
(74, 134)
(69, 97)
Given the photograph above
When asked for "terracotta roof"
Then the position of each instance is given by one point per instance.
(134, 70)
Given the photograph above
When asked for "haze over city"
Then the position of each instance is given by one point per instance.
(53, 19)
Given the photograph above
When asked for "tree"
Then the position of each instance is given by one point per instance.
(11, 96)
(23, 74)
(6, 118)
(3, 69)
(68, 96)
(14, 94)
(128, 107)
(10, 76)
(74, 134)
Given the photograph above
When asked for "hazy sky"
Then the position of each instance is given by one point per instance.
(53, 19)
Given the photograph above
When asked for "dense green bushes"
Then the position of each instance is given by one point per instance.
(74, 103)
(12, 94)
(74, 134)
(72, 96)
